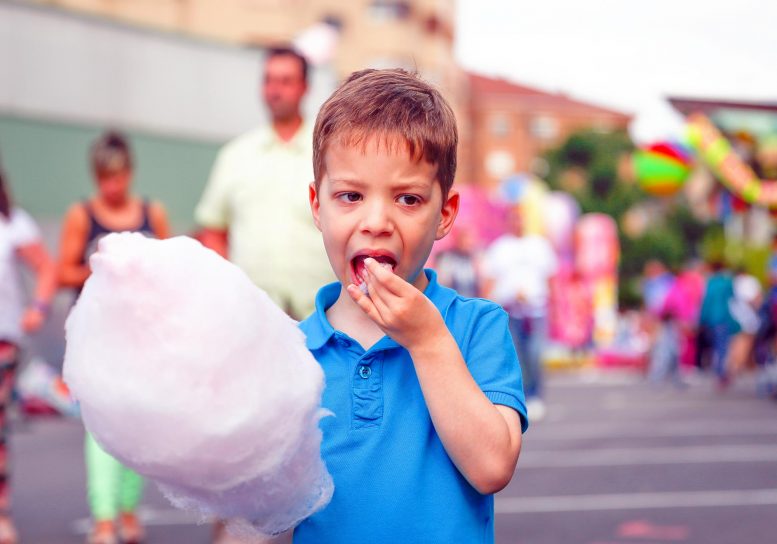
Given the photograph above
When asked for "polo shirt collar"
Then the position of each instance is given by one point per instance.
(320, 331)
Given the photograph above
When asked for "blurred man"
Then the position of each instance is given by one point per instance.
(255, 209)
(516, 274)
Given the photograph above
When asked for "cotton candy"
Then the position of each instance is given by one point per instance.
(190, 375)
(363, 285)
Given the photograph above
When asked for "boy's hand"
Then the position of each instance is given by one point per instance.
(398, 308)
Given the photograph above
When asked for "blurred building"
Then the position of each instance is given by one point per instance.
(513, 124)
(503, 126)
(413, 34)
(376, 33)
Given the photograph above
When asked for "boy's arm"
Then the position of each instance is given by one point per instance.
(482, 439)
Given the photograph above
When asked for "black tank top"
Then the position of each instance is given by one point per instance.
(97, 230)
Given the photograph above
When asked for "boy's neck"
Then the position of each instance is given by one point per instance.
(344, 315)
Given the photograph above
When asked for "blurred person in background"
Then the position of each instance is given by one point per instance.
(517, 269)
(678, 316)
(255, 210)
(657, 281)
(20, 243)
(715, 318)
(114, 491)
(457, 267)
(765, 349)
(685, 299)
(748, 296)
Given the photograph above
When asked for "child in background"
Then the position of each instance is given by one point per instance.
(425, 384)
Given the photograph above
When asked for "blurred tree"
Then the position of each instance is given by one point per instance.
(673, 234)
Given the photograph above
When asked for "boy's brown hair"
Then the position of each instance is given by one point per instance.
(391, 105)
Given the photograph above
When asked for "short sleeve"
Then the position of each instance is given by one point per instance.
(213, 209)
(22, 228)
(493, 362)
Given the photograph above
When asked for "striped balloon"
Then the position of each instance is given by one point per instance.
(662, 168)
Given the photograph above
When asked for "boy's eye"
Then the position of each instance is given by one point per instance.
(349, 197)
(409, 200)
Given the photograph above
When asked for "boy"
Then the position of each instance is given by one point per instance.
(424, 384)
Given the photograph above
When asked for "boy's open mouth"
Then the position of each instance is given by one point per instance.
(358, 267)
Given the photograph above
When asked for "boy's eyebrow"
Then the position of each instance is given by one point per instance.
(350, 181)
(418, 185)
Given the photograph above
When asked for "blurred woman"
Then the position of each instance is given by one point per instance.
(114, 491)
(20, 243)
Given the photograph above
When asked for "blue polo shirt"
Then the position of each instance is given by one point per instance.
(394, 482)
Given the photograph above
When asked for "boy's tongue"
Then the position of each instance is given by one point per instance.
(360, 268)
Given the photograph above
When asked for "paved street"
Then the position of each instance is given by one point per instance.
(615, 462)
(618, 461)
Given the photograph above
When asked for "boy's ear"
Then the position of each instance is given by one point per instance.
(448, 215)
(315, 205)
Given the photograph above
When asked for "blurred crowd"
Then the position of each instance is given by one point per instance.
(709, 317)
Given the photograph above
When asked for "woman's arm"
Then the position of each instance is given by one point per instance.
(37, 258)
(158, 218)
(75, 229)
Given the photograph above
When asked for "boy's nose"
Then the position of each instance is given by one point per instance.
(377, 220)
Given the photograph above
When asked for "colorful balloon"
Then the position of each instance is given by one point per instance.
(513, 188)
(662, 168)
(561, 211)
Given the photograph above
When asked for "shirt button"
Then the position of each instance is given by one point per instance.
(365, 371)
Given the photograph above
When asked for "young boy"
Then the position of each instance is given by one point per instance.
(424, 384)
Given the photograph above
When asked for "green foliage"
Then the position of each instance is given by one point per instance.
(672, 239)
(579, 150)
(597, 154)
(716, 248)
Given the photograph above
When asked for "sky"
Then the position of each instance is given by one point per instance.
(626, 54)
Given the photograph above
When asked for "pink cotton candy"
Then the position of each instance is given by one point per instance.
(190, 375)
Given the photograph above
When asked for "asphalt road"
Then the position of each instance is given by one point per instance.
(615, 462)
(618, 461)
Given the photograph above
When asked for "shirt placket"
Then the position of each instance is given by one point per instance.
(366, 387)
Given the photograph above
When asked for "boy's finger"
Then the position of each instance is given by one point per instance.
(379, 296)
(365, 303)
(384, 276)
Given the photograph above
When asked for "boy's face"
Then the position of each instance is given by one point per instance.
(377, 202)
